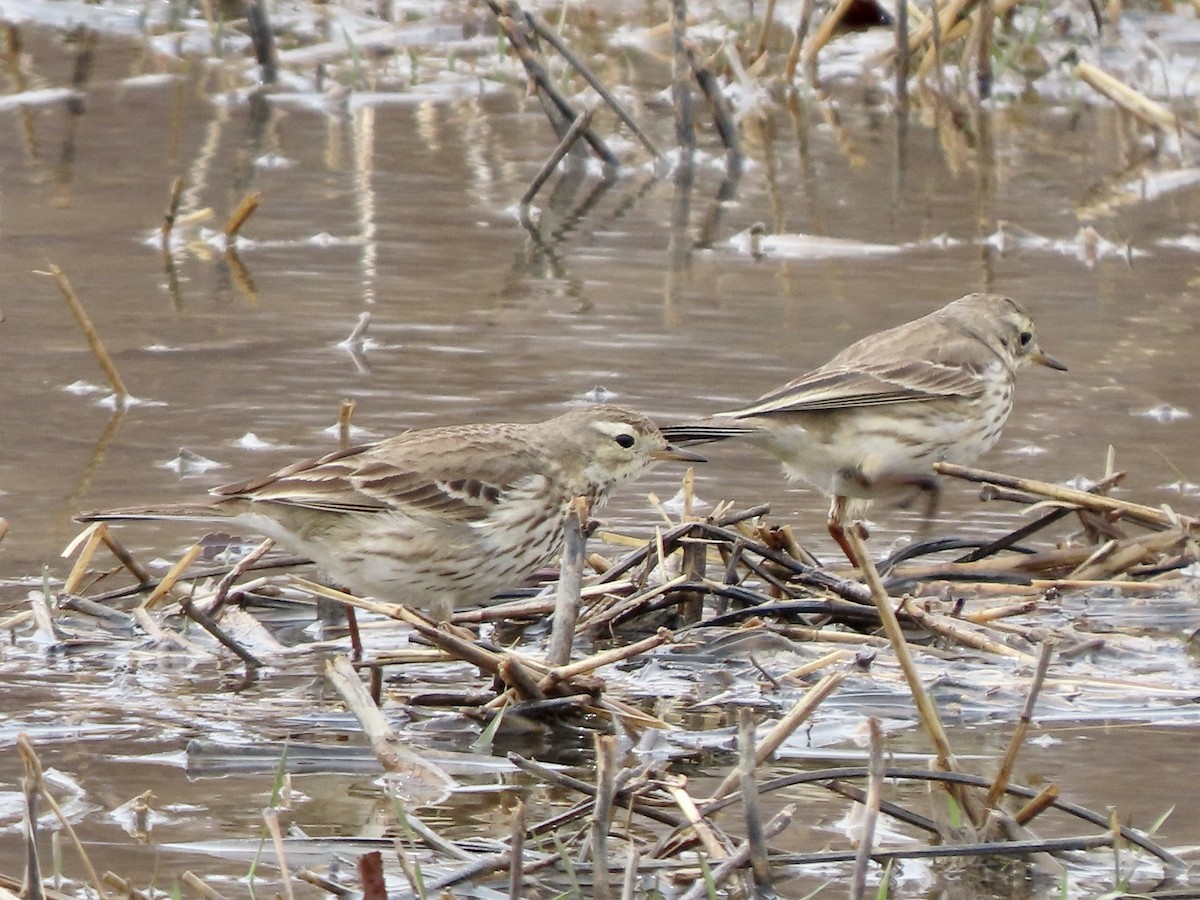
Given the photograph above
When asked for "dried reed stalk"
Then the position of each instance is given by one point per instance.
(736, 860)
(244, 210)
(581, 124)
(508, 15)
(270, 817)
(1146, 515)
(606, 762)
(1037, 805)
(1018, 738)
(926, 709)
(807, 704)
(954, 630)
(193, 881)
(676, 786)
(168, 581)
(552, 38)
(34, 785)
(764, 34)
(866, 838)
(93, 537)
(516, 845)
(755, 838)
(345, 414)
(798, 38)
(825, 31)
(428, 779)
(1133, 102)
(90, 332)
(681, 94)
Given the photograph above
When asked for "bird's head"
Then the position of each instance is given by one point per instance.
(1005, 325)
(616, 444)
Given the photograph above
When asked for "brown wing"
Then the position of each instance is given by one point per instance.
(460, 473)
(844, 388)
(918, 361)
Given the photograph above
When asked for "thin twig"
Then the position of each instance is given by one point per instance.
(34, 781)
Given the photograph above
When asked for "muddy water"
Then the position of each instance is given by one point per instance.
(405, 210)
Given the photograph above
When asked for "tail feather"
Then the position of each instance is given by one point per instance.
(183, 512)
(704, 433)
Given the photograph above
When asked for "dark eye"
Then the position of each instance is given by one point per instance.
(1026, 337)
(624, 440)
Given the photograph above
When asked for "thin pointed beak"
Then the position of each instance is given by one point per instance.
(1042, 358)
(676, 454)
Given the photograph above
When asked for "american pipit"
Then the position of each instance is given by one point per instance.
(872, 421)
(439, 516)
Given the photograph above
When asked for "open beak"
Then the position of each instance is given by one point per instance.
(1043, 358)
(671, 452)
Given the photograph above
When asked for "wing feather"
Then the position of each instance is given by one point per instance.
(847, 387)
(458, 474)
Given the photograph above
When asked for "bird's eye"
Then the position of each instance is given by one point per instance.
(624, 440)
(1026, 337)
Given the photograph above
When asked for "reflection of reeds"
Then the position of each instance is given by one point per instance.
(172, 211)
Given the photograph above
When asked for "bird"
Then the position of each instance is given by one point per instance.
(441, 516)
(872, 421)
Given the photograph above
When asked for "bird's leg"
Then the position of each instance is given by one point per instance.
(441, 609)
(837, 530)
(921, 484)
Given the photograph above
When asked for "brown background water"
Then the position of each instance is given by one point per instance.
(634, 288)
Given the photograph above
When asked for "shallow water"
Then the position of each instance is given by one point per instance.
(406, 210)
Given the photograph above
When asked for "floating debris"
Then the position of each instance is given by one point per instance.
(188, 462)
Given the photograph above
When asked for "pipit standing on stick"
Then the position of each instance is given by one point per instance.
(872, 421)
(441, 516)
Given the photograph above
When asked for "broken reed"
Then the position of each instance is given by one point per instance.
(90, 333)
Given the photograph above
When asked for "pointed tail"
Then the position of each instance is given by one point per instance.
(184, 512)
